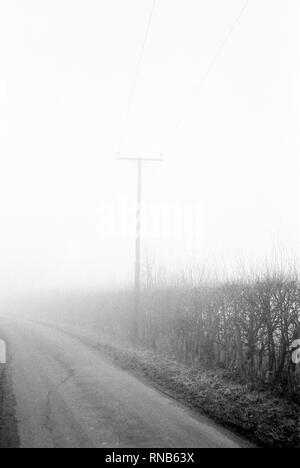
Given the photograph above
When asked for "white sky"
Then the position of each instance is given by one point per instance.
(228, 187)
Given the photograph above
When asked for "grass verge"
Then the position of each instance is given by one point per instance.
(265, 419)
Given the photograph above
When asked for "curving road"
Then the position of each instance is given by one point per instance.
(68, 395)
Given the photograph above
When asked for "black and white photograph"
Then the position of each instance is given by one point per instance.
(149, 227)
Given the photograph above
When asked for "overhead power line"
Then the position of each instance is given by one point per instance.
(138, 69)
(218, 53)
(141, 57)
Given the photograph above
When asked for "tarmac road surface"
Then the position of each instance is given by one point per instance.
(67, 395)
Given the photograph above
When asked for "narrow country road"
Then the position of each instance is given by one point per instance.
(68, 395)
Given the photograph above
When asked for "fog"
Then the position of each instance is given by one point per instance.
(215, 91)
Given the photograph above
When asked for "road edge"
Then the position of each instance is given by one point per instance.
(9, 437)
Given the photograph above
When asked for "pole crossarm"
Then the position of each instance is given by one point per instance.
(136, 159)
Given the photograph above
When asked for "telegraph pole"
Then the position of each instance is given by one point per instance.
(137, 280)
